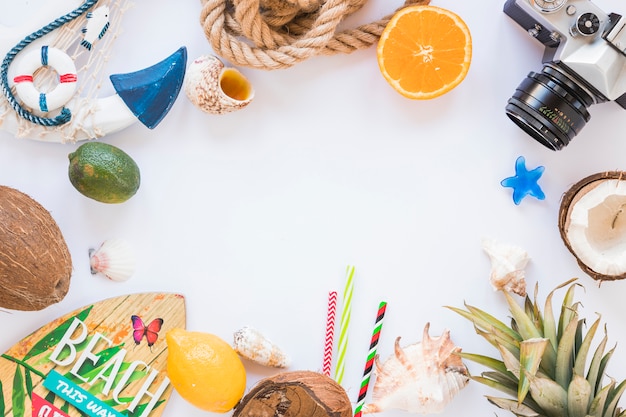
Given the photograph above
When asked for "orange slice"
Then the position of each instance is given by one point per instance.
(424, 51)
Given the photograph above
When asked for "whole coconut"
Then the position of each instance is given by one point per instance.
(35, 263)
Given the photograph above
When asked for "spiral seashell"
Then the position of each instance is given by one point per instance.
(254, 346)
(114, 259)
(421, 378)
(214, 88)
(507, 266)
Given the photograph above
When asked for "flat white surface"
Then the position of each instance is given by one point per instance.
(255, 215)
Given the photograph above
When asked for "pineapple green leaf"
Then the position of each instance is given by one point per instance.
(531, 352)
(568, 309)
(511, 361)
(507, 380)
(578, 339)
(596, 409)
(550, 396)
(488, 323)
(578, 396)
(492, 383)
(487, 361)
(594, 375)
(493, 322)
(611, 409)
(583, 349)
(565, 355)
(527, 328)
(533, 313)
(489, 379)
(497, 341)
(603, 364)
(520, 410)
(549, 324)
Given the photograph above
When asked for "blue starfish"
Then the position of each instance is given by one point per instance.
(524, 182)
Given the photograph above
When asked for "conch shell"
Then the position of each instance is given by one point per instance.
(507, 266)
(214, 88)
(421, 378)
(254, 346)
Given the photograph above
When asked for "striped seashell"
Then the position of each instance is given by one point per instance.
(114, 259)
(254, 346)
(214, 88)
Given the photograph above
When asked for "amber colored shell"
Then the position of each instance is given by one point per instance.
(215, 89)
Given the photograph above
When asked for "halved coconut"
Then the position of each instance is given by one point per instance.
(592, 222)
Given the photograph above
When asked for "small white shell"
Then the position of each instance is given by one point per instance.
(215, 89)
(254, 346)
(114, 259)
(421, 378)
(507, 266)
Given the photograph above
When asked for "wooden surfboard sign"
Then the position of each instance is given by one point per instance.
(107, 359)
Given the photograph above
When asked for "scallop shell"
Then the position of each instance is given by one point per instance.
(114, 259)
(421, 378)
(507, 266)
(214, 88)
(254, 346)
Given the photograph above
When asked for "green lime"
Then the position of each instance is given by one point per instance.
(103, 172)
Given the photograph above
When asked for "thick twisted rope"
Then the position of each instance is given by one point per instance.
(65, 114)
(275, 34)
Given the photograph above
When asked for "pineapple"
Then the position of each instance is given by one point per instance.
(546, 367)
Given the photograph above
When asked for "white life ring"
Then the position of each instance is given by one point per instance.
(91, 117)
(60, 94)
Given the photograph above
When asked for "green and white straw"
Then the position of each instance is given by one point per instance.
(344, 322)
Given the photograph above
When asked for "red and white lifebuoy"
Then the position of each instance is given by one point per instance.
(60, 94)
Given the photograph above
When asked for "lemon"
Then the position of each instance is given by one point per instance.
(205, 370)
(103, 172)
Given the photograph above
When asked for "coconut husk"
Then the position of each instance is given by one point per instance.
(295, 394)
(569, 200)
(35, 263)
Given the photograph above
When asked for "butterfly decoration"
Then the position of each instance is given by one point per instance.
(151, 331)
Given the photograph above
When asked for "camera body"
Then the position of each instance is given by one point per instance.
(584, 63)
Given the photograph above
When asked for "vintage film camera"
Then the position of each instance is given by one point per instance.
(584, 63)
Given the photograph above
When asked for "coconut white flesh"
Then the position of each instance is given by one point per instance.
(597, 226)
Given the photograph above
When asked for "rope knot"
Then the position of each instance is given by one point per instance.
(273, 34)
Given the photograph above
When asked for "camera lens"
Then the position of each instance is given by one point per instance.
(550, 106)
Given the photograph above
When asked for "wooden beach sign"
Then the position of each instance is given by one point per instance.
(107, 359)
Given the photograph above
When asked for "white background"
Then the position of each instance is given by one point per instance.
(255, 215)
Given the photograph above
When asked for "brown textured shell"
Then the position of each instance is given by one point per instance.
(295, 394)
(214, 88)
(569, 199)
(35, 263)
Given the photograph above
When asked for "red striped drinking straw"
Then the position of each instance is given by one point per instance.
(330, 333)
(369, 364)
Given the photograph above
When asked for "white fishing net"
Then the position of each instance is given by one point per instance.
(85, 103)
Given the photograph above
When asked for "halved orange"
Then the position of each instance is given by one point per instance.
(424, 51)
